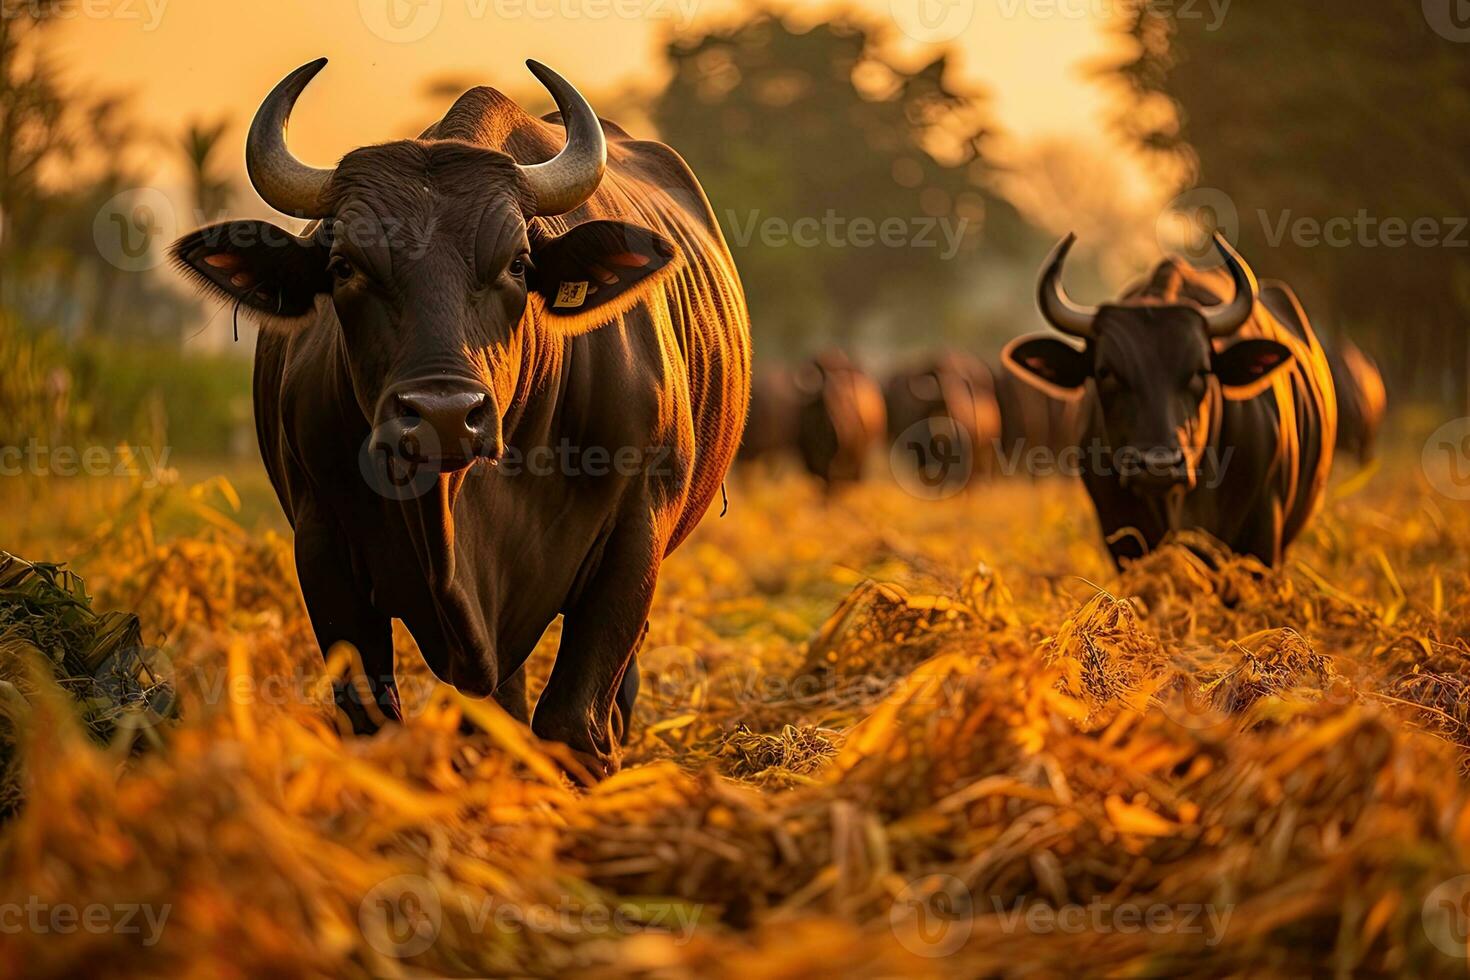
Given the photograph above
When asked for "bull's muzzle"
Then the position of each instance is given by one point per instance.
(446, 423)
(1154, 471)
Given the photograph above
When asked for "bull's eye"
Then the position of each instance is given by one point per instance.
(1108, 379)
(518, 267)
(340, 269)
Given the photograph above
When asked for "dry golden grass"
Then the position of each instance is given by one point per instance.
(879, 737)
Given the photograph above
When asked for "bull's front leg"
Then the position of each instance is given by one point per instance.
(588, 700)
(341, 613)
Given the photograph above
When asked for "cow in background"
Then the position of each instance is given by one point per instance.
(1032, 421)
(1205, 408)
(1362, 399)
(950, 395)
(840, 419)
(770, 427)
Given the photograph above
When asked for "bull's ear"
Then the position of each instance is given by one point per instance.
(1245, 368)
(1048, 364)
(268, 270)
(597, 270)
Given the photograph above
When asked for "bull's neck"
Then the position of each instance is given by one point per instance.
(542, 356)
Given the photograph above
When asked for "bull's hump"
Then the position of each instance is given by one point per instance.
(488, 117)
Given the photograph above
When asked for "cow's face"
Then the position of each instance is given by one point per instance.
(1157, 377)
(429, 263)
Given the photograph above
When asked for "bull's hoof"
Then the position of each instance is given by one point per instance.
(585, 768)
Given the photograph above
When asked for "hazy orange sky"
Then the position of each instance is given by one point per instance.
(184, 59)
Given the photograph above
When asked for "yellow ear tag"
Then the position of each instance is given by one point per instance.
(571, 294)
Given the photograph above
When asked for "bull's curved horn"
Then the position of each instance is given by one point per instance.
(1225, 319)
(1056, 306)
(570, 177)
(284, 182)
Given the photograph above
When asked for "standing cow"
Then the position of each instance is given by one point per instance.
(1206, 409)
(949, 395)
(1036, 429)
(770, 428)
(550, 295)
(1361, 399)
(840, 419)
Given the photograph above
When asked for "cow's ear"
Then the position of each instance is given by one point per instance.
(1048, 364)
(596, 271)
(1245, 368)
(271, 272)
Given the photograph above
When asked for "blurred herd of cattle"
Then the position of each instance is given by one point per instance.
(955, 412)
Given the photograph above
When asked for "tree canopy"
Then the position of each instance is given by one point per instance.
(1335, 129)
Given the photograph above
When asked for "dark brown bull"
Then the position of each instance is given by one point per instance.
(839, 419)
(502, 290)
(948, 396)
(770, 428)
(1036, 428)
(1205, 408)
(1362, 399)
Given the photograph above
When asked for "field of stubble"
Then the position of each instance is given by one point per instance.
(880, 736)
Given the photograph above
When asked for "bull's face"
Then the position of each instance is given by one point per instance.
(1157, 376)
(429, 264)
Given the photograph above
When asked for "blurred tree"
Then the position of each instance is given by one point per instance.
(1320, 110)
(63, 160)
(32, 131)
(809, 140)
(209, 184)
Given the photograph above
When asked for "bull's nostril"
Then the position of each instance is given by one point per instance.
(475, 418)
(405, 408)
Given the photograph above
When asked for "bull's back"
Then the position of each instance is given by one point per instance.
(698, 315)
(1302, 403)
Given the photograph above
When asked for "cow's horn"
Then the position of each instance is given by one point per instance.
(1225, 319)
(570, 177)
(284, 182)
(1056, 306)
